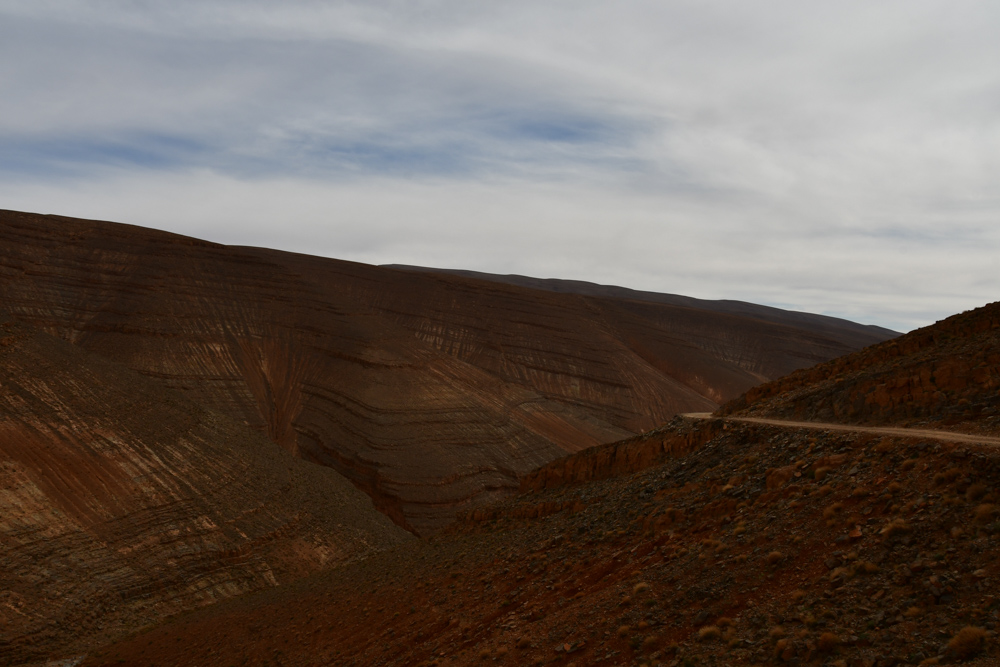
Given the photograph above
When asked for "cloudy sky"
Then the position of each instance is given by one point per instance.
(838, 157)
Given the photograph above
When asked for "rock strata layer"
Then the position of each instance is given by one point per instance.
(945, 376)
(431, 392)
(123, 502)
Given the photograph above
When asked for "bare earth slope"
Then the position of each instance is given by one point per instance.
(123, 502)
(429, 392)
(704, 542)
(761, 545)
(943, 376)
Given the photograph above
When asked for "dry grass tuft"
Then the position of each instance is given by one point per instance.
(833, 510)
(776, 633)
(624, 630)
(976, 492)
(640, 587)
(968, 642)
(987, 513)
(947, 477)
(895, 527)
(709, 633)
(775, 557)
(827, 642)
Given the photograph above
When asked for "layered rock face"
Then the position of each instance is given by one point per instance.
(431, 392)
(946, 375)
(123, 502)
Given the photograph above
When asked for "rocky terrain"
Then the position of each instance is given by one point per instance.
(762, 546)
(430, 392)
(123, 502)
(703, 542)
(942, 376)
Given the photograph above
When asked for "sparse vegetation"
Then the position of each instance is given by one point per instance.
(967, 643)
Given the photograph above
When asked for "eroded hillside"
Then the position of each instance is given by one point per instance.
(430, 392)
(943, 376)
(763, 545)
(704, 542)
(123, 502)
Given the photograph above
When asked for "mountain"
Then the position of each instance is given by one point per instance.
(123, 501)
(838, 327)
(707, 541)
(430, 392)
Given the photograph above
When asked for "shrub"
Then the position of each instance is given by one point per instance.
(833, 510)
(624, 630)
(776, 633)
(641, 587)
(827, 642)
(895, 527)
(976, 492)
(709, 633)
(775, 557)
(986, 513)
(967, 642)
(947, 476)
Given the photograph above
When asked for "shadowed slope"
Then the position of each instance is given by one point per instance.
(122, 502)
(430, 392)
(946, 375)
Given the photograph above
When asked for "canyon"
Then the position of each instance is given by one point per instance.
(431, 392)
(725, 539)
(183, 422)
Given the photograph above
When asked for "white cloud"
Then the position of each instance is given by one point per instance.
(838, 158)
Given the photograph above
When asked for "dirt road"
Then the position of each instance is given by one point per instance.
(947, 436)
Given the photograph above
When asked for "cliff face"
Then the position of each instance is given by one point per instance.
(123, 502)
(430, 392)
(945, 375)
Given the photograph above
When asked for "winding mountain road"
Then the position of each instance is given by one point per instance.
(948, 436)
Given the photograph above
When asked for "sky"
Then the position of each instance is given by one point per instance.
(840, 158)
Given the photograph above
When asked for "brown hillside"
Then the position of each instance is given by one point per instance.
(430, 392)
(704, 542)
(943, 376)
(123, 502)
(762, 545)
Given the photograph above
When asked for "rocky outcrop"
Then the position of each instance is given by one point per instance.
(678, 438)
(123, 502)
(944, 375)
(431, 392)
